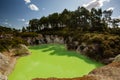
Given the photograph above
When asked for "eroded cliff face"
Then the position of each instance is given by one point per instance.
(8, 60)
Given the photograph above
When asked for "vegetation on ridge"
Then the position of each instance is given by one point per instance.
(81, 20)
(95, 27)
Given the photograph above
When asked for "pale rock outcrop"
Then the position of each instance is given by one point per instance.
(48, 38)
(3, 77)
(4, 63)
(117, 58)
(21, 50)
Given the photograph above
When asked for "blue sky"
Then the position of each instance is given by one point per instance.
(17, 13)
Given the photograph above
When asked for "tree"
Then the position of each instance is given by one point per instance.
(23, 29)
(107, 15)
(97, 23)
(84, 18)
(115, 22)
(64, 18)
(33, 24)
(54, 19)
(28, 29)
(43, 23)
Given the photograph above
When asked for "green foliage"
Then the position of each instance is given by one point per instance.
(81, 20)
(33, 25)
(97, 40)
(23, 29)
(100, 46)
(8, 38)
(28, 34)
(17, 40)
(6, 44)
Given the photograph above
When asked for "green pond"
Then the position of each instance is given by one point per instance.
(52, 60)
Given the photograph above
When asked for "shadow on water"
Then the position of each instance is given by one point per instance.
(60, 50)
(36, 47)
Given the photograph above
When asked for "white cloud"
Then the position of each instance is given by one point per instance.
(27, 1)
(95, 3)
(21, 20)
(33, 7)
(111, 8)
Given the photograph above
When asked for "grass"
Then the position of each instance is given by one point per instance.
(52, 60)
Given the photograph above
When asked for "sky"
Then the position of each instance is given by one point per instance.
(17, 13)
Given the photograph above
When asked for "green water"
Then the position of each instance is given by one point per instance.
(52, 60)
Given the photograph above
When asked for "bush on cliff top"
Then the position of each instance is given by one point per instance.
(6, 44)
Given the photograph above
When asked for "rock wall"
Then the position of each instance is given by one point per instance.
(45, 39)
(92, 50)
(117, 58)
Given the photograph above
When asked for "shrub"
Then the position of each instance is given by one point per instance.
(18, 40)
(97, 40)
(28, 34)
(6, 44)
